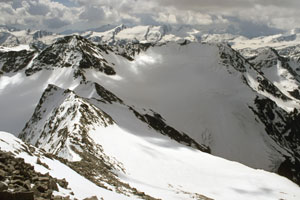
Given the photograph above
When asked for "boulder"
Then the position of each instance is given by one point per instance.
(91, 198)
(42, 188)
(52, 185)
(3, 186)
(2, 175)
(63, 183)
(44, 178)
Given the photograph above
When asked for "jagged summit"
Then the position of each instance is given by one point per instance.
(71, 51)
(106, 37)
(14, 61)
(61, 120)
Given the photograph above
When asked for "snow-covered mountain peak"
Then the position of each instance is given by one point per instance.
(119, 28)
(71, 51)
(34, 39)
(106, 37)
(61, 120)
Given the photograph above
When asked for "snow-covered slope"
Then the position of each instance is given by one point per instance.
(62, 118)
(275, 41)
(281, 71)
(212, 88)
(164, 169)
(67, 181)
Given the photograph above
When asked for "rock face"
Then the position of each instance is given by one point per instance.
(16, 195)
(277, 68)
(284, 128)
(156, 121)
(14, 61)
(19, 180)
(270, 71)
(71, 51)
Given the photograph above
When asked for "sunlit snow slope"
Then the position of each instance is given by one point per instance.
(165, 170)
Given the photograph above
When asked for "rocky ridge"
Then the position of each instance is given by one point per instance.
(71, 51)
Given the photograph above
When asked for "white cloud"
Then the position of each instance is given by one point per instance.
(43, 14)
(50, 14)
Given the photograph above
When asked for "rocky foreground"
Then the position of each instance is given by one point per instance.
(19, 180)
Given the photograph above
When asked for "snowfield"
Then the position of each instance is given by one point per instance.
(167, 170)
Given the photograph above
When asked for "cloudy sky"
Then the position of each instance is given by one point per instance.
(60, 15)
